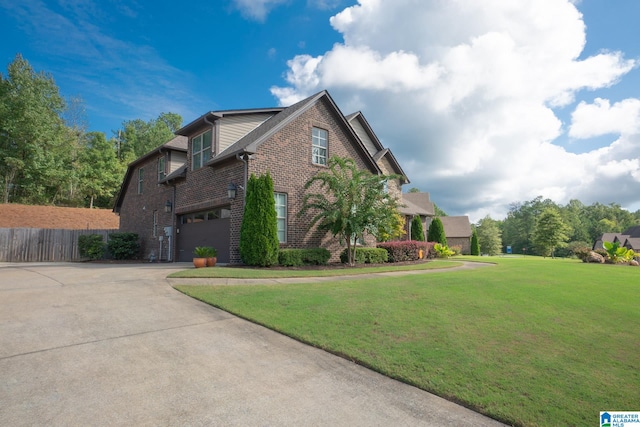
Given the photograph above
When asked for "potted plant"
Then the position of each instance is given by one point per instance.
(212, 257)
(205, 256)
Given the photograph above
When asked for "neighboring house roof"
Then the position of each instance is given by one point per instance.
(456, 226)
(417, 204)
(632, 243)
(53, 217)
(178, 143)
(609, 237)
(249, 143)
(632, 231)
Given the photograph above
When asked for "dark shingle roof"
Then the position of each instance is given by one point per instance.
(456, 226)
(417, 204)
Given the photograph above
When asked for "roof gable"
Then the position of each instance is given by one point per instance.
(250, 142)
(178, 143)
(456, 226)
(417, 204)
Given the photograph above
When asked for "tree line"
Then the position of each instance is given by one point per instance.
(543, 227)
(48, 156)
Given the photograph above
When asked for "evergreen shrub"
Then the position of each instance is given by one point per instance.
(366, 256)
(124, 245)
(91, 246)
(259, 243)
(300, 257)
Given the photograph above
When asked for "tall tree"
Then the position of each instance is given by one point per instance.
(140, 137)
(436, 232)
(349, 202)
(34, 159)
(100, 172)
(550, 232)
(489, 236)
(259, 229)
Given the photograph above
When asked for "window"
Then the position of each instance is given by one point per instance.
(161, 168)
(200, 150)
(281, 216)
(319, 146)
(140, 180)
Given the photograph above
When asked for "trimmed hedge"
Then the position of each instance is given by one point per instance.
(407, 250)
(366, 256)
(124, 245)
(91, 246)
(300, 257)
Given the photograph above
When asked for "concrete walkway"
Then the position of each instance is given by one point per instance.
(94, 344)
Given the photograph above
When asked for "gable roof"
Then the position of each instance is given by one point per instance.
(417, 204)
(456, 226)
(633, 243)
(632, 231)
(251, 141)
(178, 143)
(382, 152)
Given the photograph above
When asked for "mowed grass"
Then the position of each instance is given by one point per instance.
(273, 273)
(530, 341)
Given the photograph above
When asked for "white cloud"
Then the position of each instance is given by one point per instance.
(601, 118)
(463, 92)
(256, 9)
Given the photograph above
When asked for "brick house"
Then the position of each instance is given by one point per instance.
(630, 239)
(190, 191)
(457, 229)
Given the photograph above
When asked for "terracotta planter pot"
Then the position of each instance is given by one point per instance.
(211, 262)
(199, 262)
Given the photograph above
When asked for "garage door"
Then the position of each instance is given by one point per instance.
(205, 228)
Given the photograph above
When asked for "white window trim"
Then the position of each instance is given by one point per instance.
(322, 160)
(201, 151)
(278, 218)
(162, 171)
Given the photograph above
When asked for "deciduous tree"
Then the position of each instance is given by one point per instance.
(489, 236)
(349, 202)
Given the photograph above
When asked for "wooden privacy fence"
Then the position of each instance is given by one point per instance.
(42, 244)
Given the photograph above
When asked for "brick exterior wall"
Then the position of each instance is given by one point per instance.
(463, 242)
(287, 157)
(136, 213)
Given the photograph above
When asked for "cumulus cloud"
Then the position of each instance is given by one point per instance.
(601, 118)
(464, 93)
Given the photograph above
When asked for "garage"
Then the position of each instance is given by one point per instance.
(204, 228)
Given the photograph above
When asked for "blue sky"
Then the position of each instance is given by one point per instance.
(483, 103)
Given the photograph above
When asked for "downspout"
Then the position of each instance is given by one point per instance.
(212, 135)
(244, 159)
(174, 225)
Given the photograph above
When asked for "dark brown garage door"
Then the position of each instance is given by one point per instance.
(206, 228)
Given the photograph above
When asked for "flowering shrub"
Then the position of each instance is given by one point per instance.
(408, 250)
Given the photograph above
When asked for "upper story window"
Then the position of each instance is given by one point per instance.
(319, 146)
(162, 171)
(281, 216)
(140, 180)
(200, 150)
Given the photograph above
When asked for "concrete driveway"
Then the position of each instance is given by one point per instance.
(94, 344)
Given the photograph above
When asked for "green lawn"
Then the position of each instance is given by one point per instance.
(529, 341)
(272, 273)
